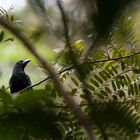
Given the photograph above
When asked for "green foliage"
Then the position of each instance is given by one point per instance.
(105, 86)
(113, 112)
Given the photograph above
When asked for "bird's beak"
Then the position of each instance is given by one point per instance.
(25, 62)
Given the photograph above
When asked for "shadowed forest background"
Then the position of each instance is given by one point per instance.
(85, 68)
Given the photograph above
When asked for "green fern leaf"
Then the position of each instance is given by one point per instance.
(108, 90)
(114, 86)
(104, 92)
(95, 83)
(98, 78)
(104, 77)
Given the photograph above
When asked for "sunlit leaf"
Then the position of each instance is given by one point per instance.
(98, 78)
(95, 83)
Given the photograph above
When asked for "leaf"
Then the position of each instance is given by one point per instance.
(73, 92)
(110, 71)
(114, 69)
(130, 112)
(128, 79)
(118, 84)
(107, 74)
(121, 80)
(115, 97)
(108, 90)
(121, 93)
(29, 99)
(1, 36)
(103, 76)
(98, 78)
(122, 65)
(104, 92)
(100, 96)
(2, 11)
(131, 90)
(137, 71)
(90, 87)
(136, 88)
(74, 81)
(114, 86)
(5, 100)
(80, 45)
(49, 102)
(94, 82)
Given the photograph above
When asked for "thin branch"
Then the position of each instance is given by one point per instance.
(113, 59)
(64, 20)
(72, 67)
(44, 80)
(66, 34)
(44, 21)
(68, 44)
(34, 85)
(71, 103)
(90, 133)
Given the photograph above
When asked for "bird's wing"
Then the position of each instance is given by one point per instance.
(19, 81)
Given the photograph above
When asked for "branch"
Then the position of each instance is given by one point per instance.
(68, 43)
(66, 29)
(44, 21)
(72, 67)
(71, 103)
(66, 34)
(45, 79)
(113, 59)
(71, 53)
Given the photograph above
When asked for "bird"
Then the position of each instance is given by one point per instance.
(19, 79)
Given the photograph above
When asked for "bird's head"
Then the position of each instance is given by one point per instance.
(20, 65)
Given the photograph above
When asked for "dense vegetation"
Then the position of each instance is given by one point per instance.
(91, 87)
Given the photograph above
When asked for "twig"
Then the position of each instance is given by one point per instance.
(68, 44)
(66, 29)
(71, 103)
(72, 67)
(113, 59)
(89, 131)
(66, 34)
(44, 21)
(45, 79)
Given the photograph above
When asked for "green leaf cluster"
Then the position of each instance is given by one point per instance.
(105, 85)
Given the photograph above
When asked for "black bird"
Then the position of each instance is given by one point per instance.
(19, 79)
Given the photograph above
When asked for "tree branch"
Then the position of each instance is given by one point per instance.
(45, 79)
(87, 62)
(64, 20)
(71, 103)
